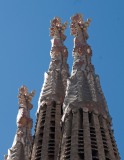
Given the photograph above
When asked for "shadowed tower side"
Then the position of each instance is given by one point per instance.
(22, 144)
(48, 131)
(87, 132)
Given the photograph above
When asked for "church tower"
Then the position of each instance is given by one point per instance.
(22, 144)
(48, 130)
(86, 124)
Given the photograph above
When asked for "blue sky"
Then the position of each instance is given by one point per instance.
(25, 46)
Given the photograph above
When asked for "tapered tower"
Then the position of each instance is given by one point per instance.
(86, 124)
(48, 131)
(22, 144)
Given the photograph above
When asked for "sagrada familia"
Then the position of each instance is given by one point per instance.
(73, 121)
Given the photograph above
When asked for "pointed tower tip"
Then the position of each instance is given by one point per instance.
(24, 95)
(79, 26)
(57, 28)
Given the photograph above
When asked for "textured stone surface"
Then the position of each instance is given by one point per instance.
(74, 136)
(87, 139)
(101, 153)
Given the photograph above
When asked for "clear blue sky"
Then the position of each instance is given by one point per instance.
(24, 54)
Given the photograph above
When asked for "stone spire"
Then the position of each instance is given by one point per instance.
(21, 147)
(86, 124)
(83, 85)
(56, 78)
(48, 130)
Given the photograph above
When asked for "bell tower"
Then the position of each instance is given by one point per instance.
(48, 130)
(86, 123)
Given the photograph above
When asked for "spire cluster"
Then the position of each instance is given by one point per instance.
(73, 121)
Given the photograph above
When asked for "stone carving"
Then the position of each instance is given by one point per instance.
(79, 28)
(21, 148)
(82, 51)
(57, 31)
(56, 78)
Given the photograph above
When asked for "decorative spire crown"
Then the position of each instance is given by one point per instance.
(78, 26)
(25, 97)
(57, 28)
